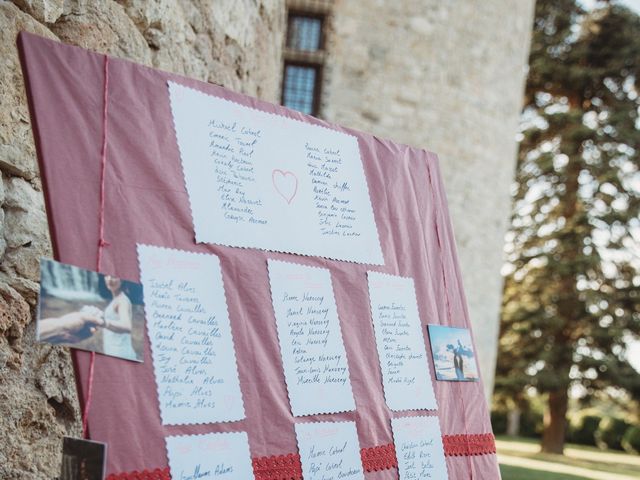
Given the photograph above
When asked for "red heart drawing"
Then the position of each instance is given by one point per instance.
(285, 183)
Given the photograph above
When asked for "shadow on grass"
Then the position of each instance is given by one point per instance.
(578, 456)
(518, 473)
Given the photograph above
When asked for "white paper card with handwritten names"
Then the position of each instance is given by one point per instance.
(262, 180)
(224, 456)
(313, 353)
(419, 450)
(329, 451)
(192, 348)
(400, 342)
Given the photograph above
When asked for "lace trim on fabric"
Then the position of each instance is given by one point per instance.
(383, 457)
(156, 474)
(469, 444)
(379, 458)
(278, 467)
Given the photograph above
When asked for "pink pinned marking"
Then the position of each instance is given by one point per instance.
(101, 240)
(285, 183)
(229, 400)
(183, 449)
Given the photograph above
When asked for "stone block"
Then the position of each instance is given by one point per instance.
(17, 151)
(45, 11)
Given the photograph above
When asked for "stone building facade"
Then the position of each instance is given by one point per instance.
(446, 76)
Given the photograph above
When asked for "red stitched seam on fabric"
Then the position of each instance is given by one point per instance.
(382, 457)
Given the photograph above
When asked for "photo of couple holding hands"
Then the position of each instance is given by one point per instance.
(90, 311)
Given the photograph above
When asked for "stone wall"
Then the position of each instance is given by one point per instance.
(447, 76)
(234, 43)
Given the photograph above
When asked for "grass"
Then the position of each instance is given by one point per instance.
(520, 459)
(518, 473)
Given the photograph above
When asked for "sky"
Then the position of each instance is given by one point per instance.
(633, 354)
(632, 4)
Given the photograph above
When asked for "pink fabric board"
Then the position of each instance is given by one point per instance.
(146, 202)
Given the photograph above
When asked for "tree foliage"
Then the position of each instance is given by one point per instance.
(572, 298)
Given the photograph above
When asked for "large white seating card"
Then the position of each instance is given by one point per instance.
(192, 348)
(400, 343)
(419, 448)
(224, 456)
(265, 181)
(329, 451)
(313, 353)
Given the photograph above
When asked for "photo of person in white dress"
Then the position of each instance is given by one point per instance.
(87, 310)
(452, 353)
(118, 322)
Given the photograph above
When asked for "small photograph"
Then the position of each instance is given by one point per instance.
(82, 459)
(88, 310)
(452, 352)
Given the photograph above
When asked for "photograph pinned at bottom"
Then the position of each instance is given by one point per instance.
(91, 311)
(82, 459)
(453, 356)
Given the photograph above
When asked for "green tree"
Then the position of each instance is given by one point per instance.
(571, 299)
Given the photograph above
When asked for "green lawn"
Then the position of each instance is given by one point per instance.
(520, 459)
(517, 473)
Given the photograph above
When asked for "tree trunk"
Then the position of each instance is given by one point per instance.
(555, 422)
(513, 422)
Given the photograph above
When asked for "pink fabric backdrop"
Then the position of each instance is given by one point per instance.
(146, 202)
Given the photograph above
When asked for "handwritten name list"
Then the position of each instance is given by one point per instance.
(265, 181)
(419, 448)
(232, 148)
(400, 343)
(331, 192)
(313, 353)
(193, 355)
(329, 451)
(224, 456)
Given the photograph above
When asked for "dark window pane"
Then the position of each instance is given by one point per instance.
(304, 33)
(299, 88)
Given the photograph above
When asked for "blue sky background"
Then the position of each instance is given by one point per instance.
(441, 336)
(633, 4)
